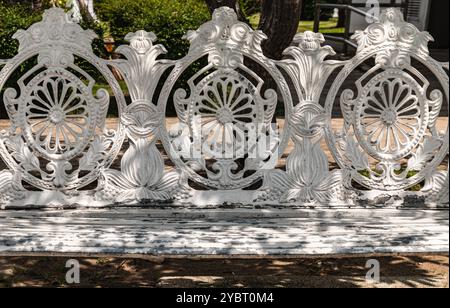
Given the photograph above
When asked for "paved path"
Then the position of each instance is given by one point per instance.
(405, 271)
(336, 125)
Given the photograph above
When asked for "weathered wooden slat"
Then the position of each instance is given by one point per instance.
(210, 222)
(242, 250)
(231, 213)
(225, 232)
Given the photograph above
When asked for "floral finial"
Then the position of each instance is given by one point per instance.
(142, 41)
(309, 41)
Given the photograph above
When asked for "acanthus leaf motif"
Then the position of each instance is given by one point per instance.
(142, 165)
(392, 30)
(22, 154)
(356, 158)
(140, 68)
(310, 178)
(437, 182)
(307, 65)
(141, 177)
(94, 155)
(425, 152)
(56, 27)
(10, 187)
(225, 30)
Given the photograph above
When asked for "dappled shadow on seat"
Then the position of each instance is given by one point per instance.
(224, 231)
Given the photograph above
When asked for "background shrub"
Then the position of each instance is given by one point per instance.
(13, 18)
(169, 20)
(250, 7)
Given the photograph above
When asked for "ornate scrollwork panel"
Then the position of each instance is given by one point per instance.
(227, 138)
(308, 179)
(58, 139)
(227, 146)
(142, 175)
(390, 139)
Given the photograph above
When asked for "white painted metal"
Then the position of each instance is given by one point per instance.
(59, 152)
(225, 232)
(358, 21)
(390, 122)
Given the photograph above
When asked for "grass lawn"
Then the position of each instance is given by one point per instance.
(325, 26)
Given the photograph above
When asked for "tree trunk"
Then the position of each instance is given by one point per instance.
(279, 20)
(87, 9)
(36, 4)
(234, 4)
(342, 16)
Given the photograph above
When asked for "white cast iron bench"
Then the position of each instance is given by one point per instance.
(226, 176)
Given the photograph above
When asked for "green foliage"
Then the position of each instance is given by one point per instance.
(21, 16)
(100, 29)
(13, 18)
(169, 20)
(250, 7)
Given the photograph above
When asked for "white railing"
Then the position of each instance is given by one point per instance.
(388, 147)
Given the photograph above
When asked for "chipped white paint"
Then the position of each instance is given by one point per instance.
(58, 144)
(225, 232)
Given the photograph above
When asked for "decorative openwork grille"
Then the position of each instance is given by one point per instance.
(385, 144)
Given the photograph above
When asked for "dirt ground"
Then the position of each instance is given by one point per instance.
(403, 271)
